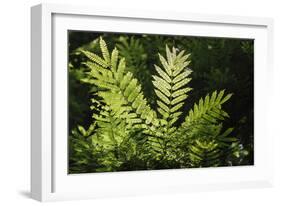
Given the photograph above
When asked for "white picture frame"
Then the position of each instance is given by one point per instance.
(49, 178)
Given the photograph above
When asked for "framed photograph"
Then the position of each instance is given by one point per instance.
(136, 102)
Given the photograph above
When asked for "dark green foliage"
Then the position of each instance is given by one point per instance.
(140, 111)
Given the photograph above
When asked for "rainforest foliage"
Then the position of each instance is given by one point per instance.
(142, 102)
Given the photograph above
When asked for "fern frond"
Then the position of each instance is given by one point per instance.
(208, 109)
(122, 89)
(114, 60)
(121, 69)
(104, 50)
(95, 58)
(170, 84)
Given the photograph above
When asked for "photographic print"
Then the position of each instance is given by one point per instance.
(150, 102)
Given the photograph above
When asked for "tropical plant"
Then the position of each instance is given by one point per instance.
(127, 134)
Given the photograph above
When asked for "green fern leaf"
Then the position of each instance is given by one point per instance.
(162, 97)
(170, 58)
(166, 66)
(180, 68)
(163, 106)
(161, 88)
(95, 58)
(181, 76)
(181, 92)
(105, 52)
(162, 82)
(121, 69)
(114, 60)
(226, 98)
(208, 109)
(134, 93)
(177, 107)
(100, 69)
(163, 113)
(121, 87)
(126, 80)
(171, 90)
(163, 74)
(178, 99)
(130, 88)
(180, 84)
